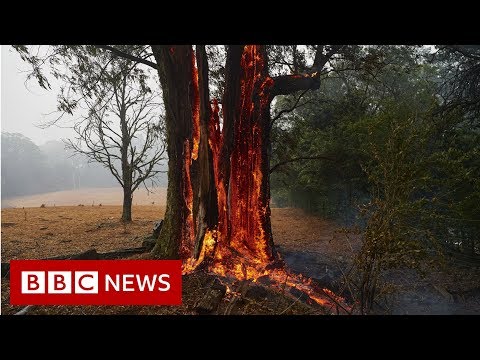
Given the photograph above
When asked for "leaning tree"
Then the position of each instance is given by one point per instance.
(218, 194)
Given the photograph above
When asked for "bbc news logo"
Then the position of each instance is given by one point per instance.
(59, 282)
(95, 282)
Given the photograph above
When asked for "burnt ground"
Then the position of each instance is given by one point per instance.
(308, 244)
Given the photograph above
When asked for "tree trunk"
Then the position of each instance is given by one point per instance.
(127, 204)
(175, 72)
(126, 166)
(206, 212)
(249, 231)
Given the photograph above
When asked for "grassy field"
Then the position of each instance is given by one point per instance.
(88, 196)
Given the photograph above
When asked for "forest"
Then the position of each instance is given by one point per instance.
(381, 140)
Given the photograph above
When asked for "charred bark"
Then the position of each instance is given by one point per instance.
(248, 188)
(205, 213)
(231, 108)
(288, 84)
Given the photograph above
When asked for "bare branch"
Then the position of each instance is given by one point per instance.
(290, 109)
(282, 163)
(127, 56)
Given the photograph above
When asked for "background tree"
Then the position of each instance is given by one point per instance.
(122, 131)
(23, 166)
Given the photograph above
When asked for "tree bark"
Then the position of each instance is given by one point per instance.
(175, 72)
(288, 84)
(126, 166)
(206, 213)
(231, 109)
(248, 188)
(127, 204)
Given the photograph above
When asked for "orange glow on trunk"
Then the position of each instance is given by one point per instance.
(188, 235)
(196, 109)
(247, 216)
(240, 244)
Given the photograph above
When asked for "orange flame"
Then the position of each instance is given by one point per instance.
(195, 108)
(247, 216)
(188, 236)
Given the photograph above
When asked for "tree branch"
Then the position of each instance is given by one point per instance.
(288, 84)
(289, 110)
(127, 56)
(281, 163)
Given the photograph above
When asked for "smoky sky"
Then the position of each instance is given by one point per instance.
(25, 104)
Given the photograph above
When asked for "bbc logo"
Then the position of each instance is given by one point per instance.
(59, 282)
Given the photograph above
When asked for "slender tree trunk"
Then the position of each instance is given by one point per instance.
(126, 166)
(127, 204)
(205, 211)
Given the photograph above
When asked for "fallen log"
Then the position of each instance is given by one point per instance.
(123, 253)
(210, 302)
(5, 269)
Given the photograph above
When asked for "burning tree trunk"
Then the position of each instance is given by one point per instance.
(248, 189)
(219, 191)
(218, 175)
(218, 212)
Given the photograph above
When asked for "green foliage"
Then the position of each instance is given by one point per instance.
(377, 150)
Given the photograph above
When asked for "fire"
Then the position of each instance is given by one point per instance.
(196, 108)
(188, 225)
(248, 235)
(240, 244)
(209, 242)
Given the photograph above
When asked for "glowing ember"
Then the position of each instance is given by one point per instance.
(188, 236)
(196, 108)
(247, 217)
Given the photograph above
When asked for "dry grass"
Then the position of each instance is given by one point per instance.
(295, 230)
(63, 230)
(87, 197)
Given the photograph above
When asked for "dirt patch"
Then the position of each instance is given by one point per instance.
(60, 230)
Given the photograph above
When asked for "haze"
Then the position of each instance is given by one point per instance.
(35, 165)
(25, 104)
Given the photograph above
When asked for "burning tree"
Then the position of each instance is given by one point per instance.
(218, 195)
(218, 212)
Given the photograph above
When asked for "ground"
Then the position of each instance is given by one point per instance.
(50, 231)
(309, 245)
